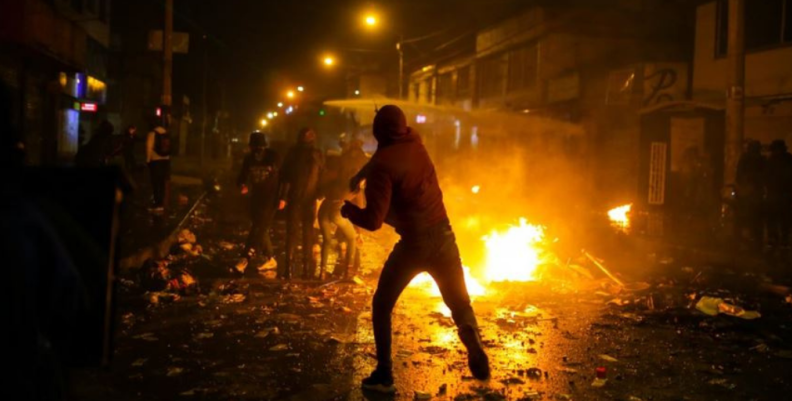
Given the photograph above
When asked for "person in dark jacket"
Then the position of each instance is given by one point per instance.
(99, 149)
(750, 193)
(335, 178)
(259, 178)
(779, 194)
(300, 184)
(402, 190)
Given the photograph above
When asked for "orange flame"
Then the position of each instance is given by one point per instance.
(514, 255)
(619, 216)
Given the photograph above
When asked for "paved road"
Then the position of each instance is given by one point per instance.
(258, 338)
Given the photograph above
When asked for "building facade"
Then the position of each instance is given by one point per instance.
(54, 59)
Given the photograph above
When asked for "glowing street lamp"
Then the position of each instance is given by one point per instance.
(300, 89)
(280, 104)
(328, 61)
(264, 122)
(275, 114)
(270, 115)
(370, 20)
(290, 94)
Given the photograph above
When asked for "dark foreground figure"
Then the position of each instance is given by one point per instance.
(402, 190)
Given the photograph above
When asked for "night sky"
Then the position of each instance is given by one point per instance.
(259, 48)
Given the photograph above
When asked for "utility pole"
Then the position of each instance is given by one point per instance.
(735, 105)
(167, 56)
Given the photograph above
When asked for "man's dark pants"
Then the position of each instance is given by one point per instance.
(779, 219)
(160, 180)
(300, 218)
(434, 251)
(262, 212)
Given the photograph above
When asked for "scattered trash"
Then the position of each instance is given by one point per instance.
(563, 396)
(666, 260)
(761, 348)
(186, 237)
(189, 393)
(599, 383)
(723, 383)
(233, 298)
(443, 389)
(146, 337)
(420, 395)
(713, 306)
(333, 340)
(202, 336)
(139, 362)
(175, 371)
(786, 354)
(279, 347)
(267, 332)
(608, 358)
(688, 269)
(602, 372)
(567, 370)
(534, 373)
(531, 395)
(226, 245)
(634, 398)
(512, 380)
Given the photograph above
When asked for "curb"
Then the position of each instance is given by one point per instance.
(161, 248)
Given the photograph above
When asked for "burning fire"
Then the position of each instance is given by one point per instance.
(512, 255)
(619, 216)
(515, 254)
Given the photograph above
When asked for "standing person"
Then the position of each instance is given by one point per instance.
(158, 151)
(402, 190)
(750, 193)
(778, 179)
(128, 147)
(335, 190)
(260, 169)
(300, 183)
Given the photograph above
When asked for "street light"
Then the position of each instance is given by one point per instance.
(280, 104)
(270, 115)
(264, 122)
(328, 61)
(300, 89)
(290, 94)
(370, 20)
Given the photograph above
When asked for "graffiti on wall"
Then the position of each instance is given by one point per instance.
(664, 82)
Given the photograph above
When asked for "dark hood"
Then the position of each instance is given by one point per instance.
(390, 126)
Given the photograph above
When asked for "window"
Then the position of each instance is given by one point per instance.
(492, 75)
(445, 87)
(768, 23)
(522, 68)
(463, 81)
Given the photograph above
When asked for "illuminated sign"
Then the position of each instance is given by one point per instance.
(89, 107)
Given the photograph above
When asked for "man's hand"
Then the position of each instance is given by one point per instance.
(347, 208)
(243, 189)
(354, 183)
(282, 204)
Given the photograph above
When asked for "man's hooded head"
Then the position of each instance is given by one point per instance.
(390, 125)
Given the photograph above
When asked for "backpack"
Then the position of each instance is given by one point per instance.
(162, 144)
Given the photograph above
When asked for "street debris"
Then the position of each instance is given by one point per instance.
(270, 331)
(422, 395)
(174, 371)
(608, 358)
(723, 383)
(713, 306)
(139, 362)
(202, 336)
(233, 298)
(279, 347)
(146, 337)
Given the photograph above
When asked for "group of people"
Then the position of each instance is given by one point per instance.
(103, 146)
(401, 189)
(764, 195)
(296, 184)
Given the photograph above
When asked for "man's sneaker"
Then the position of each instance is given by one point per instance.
(380, 381)
(477, 358)
(270, 264)
(241, 266)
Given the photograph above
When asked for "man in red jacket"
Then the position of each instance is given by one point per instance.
(402, 190)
